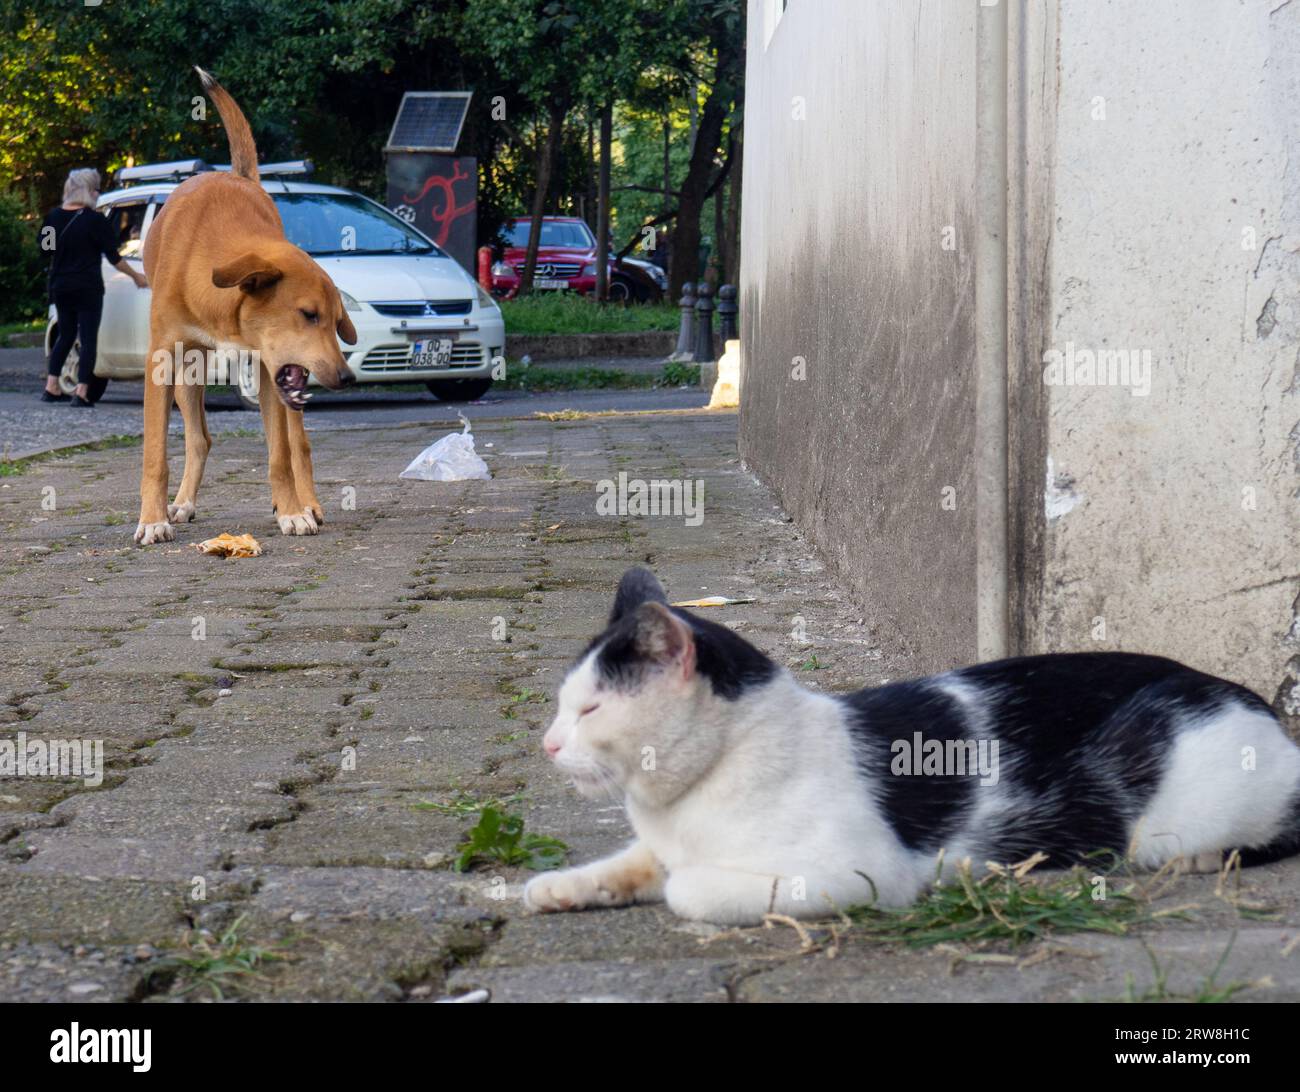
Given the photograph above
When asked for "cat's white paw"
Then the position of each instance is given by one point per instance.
(181, 513)
(573, 889)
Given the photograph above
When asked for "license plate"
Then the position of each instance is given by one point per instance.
(431, 353)
(550, 282)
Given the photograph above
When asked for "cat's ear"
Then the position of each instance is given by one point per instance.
(665, 639)
(637, 586)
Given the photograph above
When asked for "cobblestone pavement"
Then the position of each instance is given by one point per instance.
(270, 783)
(29, 426)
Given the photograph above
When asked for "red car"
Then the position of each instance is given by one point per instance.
(566, 260)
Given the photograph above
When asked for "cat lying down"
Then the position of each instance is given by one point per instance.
(751, 795)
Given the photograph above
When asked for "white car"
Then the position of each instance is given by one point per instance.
(419, 316)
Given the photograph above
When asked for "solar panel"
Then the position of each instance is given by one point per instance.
(429, 121)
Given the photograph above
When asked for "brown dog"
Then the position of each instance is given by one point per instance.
(224, 277)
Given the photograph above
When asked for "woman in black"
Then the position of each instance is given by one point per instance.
(78, 237)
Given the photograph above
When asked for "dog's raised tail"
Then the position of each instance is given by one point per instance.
(243, 152)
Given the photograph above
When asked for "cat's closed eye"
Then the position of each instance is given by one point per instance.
(588, 709)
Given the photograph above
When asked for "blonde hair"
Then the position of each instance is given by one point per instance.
(81, 187)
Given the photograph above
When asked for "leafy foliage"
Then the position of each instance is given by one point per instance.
(22, 273)
(500, 837)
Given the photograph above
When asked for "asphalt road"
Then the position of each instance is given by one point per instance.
(28, 426)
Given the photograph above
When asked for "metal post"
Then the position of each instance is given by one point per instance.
(728, 310)
(704, 324)
(686, 334)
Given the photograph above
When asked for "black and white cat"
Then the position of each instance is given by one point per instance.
(751, 795)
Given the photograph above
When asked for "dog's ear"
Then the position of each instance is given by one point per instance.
(346, 331)
(251, 272)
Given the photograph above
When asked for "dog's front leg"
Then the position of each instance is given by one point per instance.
(198, 442)
(289, 512)
(300, 457)
(154, 525)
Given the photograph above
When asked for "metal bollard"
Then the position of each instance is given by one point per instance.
(704, 324)
(728, 312)
(686, 334)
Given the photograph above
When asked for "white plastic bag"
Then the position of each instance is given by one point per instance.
(451, 459)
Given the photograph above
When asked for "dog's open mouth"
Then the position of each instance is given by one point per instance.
(291, 384)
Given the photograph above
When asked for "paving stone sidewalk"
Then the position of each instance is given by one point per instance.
(270, 782)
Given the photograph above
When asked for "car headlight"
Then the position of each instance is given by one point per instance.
(485, 300)
(500, 269)
(589, 270)
(349, 302)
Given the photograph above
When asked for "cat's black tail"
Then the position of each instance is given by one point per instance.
(1286, 844)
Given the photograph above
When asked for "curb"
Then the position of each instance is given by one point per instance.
(573, 346)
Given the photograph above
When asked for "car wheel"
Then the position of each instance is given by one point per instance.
(459, 390)
(68, 377)
(621, 291)
(247, 382)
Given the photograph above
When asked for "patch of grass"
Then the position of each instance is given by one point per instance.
(113, 519)
(813, 664)
(216, 966)
(1006, 905)
(32, 325)
(12, 467)
(464, 804)
(536, 377)
(680, 375)
(526, 696)
(1208, 992)
(569, 313)
(503, 738)
(500, 837)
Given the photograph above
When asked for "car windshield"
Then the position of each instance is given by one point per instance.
(553, 234)
(332, 223)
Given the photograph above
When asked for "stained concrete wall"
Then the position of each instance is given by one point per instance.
(859, 154)
(1149, 161)
(1173, 518)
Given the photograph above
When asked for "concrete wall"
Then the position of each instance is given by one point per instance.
(1174, 516)
(1148, 172)
(859, 153)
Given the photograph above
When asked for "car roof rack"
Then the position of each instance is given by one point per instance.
(179, 169)
(285, 168)
(161, 172)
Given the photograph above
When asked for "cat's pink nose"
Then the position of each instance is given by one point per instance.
(551, 746)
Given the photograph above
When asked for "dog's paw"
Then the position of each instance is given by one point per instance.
(303, 524)
(146, 534)
(181, 513)
(571, 889)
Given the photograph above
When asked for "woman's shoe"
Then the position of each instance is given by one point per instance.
(81, 403)
(46, 396)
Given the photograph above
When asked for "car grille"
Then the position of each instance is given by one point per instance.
(553, 269)
(422, 308)
(397, 358)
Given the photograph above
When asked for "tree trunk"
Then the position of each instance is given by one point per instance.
(686, 237)
(545, 168)
(602, 202)
(734, 181)
(726, 89)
